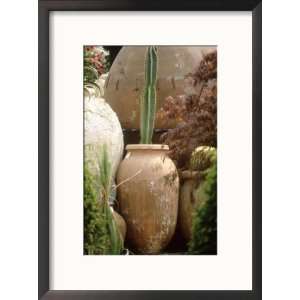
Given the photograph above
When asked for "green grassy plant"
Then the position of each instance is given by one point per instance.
(96, 239)
(105, 179)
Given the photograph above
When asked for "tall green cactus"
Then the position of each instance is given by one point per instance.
(148, 99)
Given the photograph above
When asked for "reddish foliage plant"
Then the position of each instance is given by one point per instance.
(196, 114)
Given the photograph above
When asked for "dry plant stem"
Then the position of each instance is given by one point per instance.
(128, 179)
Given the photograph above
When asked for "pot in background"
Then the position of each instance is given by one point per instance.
(125, 82)
(191, 196)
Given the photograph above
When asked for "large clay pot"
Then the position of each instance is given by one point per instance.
(191, 196)
(148, 197)
(125, 82)
(101, 126)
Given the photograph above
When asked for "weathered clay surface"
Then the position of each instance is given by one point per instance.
(101, 126)
(125, 82)
(148, 201)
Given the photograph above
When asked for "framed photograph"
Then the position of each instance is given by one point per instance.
(149, 150)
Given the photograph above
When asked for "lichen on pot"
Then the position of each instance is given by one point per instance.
(101, 126)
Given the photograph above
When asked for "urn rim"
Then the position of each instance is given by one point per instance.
(147, 147)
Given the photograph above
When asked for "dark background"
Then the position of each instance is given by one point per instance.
(113, 51)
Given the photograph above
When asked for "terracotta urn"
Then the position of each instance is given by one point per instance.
(148, 197)
(125, 82)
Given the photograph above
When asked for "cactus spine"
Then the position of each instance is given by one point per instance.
(148, 99)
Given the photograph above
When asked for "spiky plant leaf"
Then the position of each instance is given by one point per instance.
(105, 172)
(116, 241)
(105, 178)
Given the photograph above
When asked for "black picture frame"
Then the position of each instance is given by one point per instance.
(46, 6)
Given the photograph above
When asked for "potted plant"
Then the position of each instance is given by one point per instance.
(148, 179)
